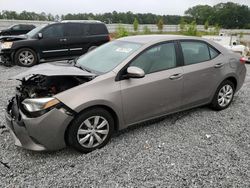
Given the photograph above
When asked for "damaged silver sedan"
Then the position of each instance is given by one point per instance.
(121, 83)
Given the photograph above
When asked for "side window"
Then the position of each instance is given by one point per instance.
(23, 27)
(213, 53)
(195, 52)
(98, 29)
(53, 31)
(157, 58)
(16, 27)
(75, 30)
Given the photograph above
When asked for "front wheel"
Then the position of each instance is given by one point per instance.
(91, 130)
(25, 57)
(223, 96)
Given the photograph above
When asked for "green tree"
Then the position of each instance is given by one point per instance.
(231, 15)
(206, 25)
(182, 24)
(217, 29)
(191, 29)
(160, 24)
(146, 30)
(121, 31)
(200, 13)
(136, 25)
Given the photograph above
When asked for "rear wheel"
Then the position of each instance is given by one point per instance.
(91, 130)
(223, 96)
(25, 57)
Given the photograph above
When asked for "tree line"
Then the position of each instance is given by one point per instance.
(226, 15)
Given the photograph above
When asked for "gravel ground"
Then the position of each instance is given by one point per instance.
(195, 148)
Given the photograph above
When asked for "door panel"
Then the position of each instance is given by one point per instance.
(200, 78)
(154, 95)
(159, 92)
(52, 45)
(77, 38)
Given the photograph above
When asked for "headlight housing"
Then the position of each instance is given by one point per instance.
(40, 105)
(6, 45)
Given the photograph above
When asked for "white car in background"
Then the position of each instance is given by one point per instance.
(231, 43)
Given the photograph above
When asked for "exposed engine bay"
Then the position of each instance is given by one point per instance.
(38, 86)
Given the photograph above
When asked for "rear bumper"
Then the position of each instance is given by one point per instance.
(242, 77)
(42, 133)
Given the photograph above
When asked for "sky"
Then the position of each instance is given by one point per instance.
(162, 7)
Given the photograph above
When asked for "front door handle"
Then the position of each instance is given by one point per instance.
(219, 65)
(63, 40)
(176, 76)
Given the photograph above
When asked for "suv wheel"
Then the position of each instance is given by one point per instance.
(90, 130)
(25, 57)
(223, 96)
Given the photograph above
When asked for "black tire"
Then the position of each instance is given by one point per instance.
(73, 138)
(23, 53)
(215, 102)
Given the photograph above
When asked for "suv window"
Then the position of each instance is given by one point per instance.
(16, 27)
(195, 52)
(23, 27)
(53, 31)
(157, 58)
(74, 29)
(97, 29)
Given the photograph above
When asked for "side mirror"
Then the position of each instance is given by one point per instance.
(40, 35)
(135, 72)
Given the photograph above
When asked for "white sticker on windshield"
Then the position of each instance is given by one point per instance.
(124, 50)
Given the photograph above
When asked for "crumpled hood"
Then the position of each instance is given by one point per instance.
(54, 69)
(13, 37)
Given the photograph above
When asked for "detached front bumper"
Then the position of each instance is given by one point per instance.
(42, 133)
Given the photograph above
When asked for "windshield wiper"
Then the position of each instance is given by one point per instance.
(72, 61)
(83, 68)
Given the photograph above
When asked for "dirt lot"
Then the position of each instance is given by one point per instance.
(195, 148)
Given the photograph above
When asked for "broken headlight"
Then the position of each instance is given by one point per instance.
(6, 45)
(40, 104)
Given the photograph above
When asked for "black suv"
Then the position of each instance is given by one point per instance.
(57, 41)
(17, 29)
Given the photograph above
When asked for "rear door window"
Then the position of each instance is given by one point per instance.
(195, 52)
(98, 29)
(76, 29)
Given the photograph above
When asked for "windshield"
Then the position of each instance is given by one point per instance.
(33, 32)
(106, 57)
(11, 26)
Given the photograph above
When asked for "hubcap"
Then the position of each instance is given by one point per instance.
(93, 131)
(225, 95)
(26, 58)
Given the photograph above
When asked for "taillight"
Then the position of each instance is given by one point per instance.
(243, 60)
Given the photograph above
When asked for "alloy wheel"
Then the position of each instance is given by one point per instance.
(93, 131)
(26, 57)
(225, 95)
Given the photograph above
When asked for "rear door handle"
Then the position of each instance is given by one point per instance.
(176, 76)
(219, 65)
(63, 40)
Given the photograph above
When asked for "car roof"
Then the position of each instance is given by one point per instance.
(152, 39)
(144, 39)
(82, 21)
